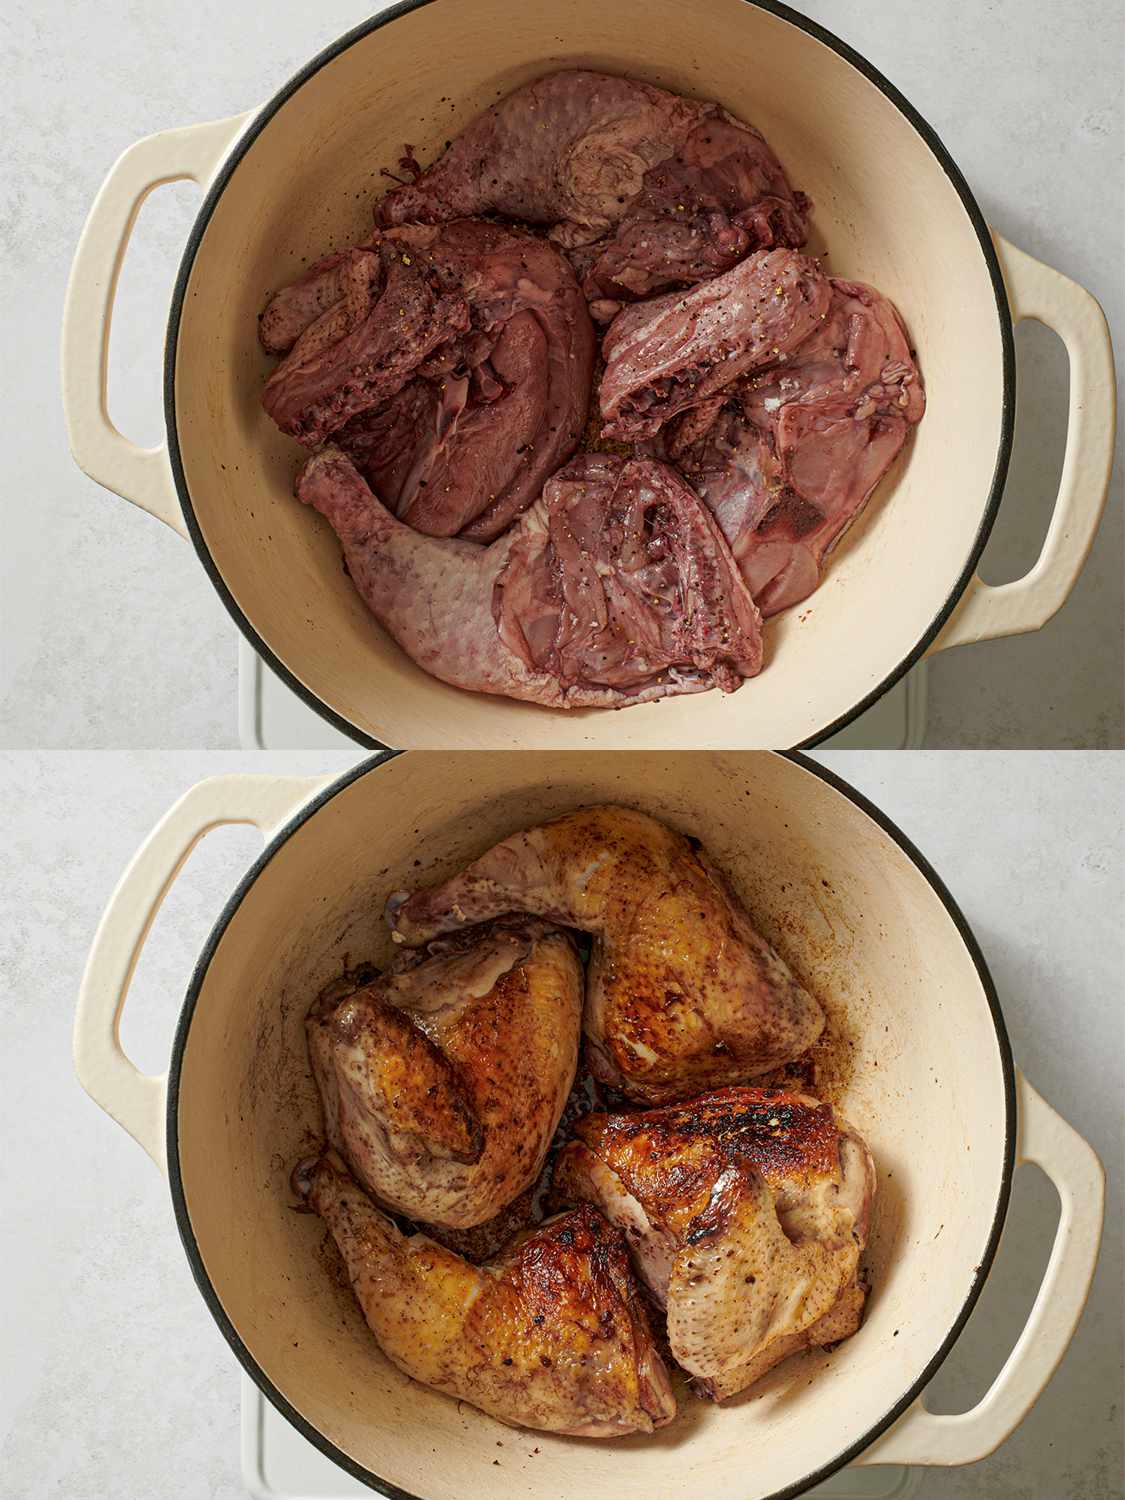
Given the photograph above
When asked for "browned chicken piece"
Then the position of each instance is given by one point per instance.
(442, 1081)
(746, 1212)
(682, 994)
(551, 1335)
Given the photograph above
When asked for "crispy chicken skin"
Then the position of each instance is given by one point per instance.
(551, 1335)
(443, 1080)
(746, 1212)
(683, 994)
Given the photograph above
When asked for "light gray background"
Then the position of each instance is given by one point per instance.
(112, 633)
(113, 1379)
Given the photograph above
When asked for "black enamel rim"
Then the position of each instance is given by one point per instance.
(230, 1333)
(857, 61)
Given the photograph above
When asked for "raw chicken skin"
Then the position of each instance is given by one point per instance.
(746, 1212)
(504, 619)
(677, 351)
(442, 1081)
(787, 458)
(453, 363)
(682, 993)
(551, 1335)
(645, 189)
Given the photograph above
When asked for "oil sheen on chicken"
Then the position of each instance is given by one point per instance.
(682, 992)
(442, 1081)
(746, 1212)
(551, 1335)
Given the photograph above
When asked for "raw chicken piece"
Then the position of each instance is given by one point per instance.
(551, 1335)
(682, 993)
(679, 350)
(442, 1081)
(627, 585)
(644, 188)
(453, 363)
(658, 607)
(791, 456)
(746, 1212)
(391, 313)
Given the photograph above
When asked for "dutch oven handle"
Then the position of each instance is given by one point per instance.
(987, 610)
(134, 1099)
(922, 1437)
(141, 475)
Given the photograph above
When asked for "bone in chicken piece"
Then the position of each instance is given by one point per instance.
(679, 350)
(746, 1212)
(442, 1081)
(551, 1335)
(452, 362)
(645, 189)
(656, 606)
(787, 458)
(682, 993)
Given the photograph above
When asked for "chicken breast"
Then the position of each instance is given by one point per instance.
(746, 1212)
(442, 1081)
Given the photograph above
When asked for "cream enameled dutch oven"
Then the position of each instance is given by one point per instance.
(849, 902)
(285, 181)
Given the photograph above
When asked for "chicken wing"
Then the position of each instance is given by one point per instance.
(682, 993)
(551, 1335)
(746, 1212)
(443, 1080)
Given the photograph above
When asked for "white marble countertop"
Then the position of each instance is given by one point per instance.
(113, 1379)
(114, 636)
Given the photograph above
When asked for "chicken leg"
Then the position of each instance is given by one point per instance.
(615, 587)
(551, 1335)
(682, 993)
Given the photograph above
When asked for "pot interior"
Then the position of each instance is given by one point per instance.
(915, 1063)
(884, 207)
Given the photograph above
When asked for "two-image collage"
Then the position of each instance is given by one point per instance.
(563, 729)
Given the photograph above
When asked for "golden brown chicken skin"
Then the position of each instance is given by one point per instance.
(746, 1212)
(443, 1079)
(551, 1335)
(682, 994)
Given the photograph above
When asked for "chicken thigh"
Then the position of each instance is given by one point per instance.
(682, 994)
(443, 1080)
(746, 1212)
(550, 1335)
